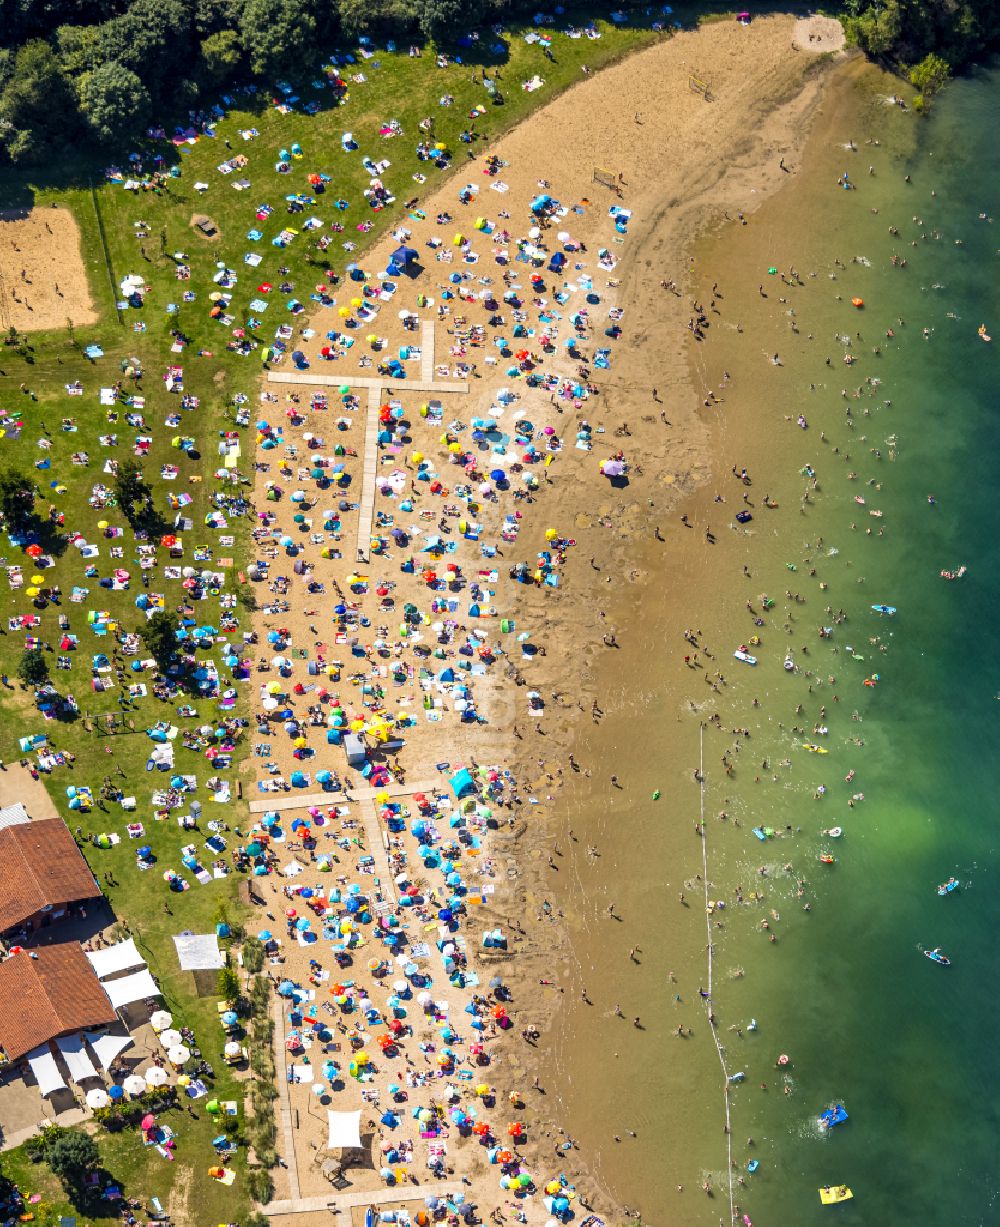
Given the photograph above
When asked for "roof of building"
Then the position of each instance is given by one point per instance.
(47, 996)
(42, 866)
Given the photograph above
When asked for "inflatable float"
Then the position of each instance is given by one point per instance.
(834, 1193)
(936, 956)
(814, 749)
(833, 1116)
(884, 609)
(745, 657)
(947, 887)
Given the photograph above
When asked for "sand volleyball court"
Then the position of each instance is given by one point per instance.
(43, 281)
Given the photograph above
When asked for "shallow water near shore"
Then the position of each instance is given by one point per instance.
(844, 991)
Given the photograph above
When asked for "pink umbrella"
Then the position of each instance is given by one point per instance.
(149, 1121)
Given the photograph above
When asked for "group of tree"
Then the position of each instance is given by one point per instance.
(101, 70)
(948, 33)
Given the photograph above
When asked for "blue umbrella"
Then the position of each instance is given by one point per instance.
(286, 988)
(229, 1018)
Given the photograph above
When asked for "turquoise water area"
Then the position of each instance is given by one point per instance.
(908, 1047)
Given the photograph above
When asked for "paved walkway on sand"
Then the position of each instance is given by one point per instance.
(427, 350)
(284, 1104)
(368, 381)
(368, 473)
(374, 384)
(340, 1202)
(300, 800)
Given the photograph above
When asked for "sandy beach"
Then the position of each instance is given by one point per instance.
(532, 596)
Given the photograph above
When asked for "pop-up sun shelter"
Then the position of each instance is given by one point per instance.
(462, 784)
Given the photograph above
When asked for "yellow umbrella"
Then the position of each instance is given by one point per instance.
(300, 743)
(38, 579)
(454, 447)
(343, 312)
(356, 302)
(273, 688)
(416, 457)
(32, 591)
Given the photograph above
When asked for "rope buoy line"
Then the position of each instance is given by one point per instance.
(710, 951)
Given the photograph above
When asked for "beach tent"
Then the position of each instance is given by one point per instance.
(106, 1047)
(462, 783)
(404, 256)
(199, 952)
(43, 1065)
(136, 987)
(123, 956)
(344, 1130)
(77, 1060)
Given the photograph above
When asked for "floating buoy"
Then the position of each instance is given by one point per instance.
(857, 302)
(656, 795)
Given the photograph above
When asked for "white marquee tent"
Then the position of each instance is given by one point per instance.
(114, 959)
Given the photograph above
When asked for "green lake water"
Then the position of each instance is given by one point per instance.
(905, 1045)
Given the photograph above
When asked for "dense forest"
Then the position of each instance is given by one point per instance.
(903, 32)
(97, 71)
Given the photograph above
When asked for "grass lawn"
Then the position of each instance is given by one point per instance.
(396, 87)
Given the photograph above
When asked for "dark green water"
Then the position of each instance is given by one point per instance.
(907, 1046)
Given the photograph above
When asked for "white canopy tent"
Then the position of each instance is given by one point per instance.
(77, 1060)
(107, 1047)
(113, 959)
(344, 1130)
(130, 988)
(42, 1064)
(198, 952)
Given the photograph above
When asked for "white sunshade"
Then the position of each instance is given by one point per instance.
(345, 1129)
(113, 959)
(130, 988)
(107, 1047)
(43, 1065)
(198, 952)
(75, 1055)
